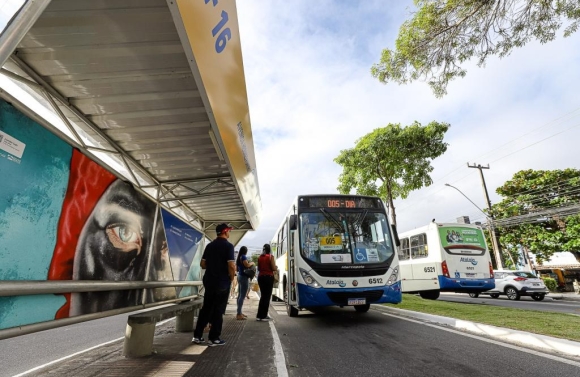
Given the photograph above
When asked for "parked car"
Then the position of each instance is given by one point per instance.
(515, 284)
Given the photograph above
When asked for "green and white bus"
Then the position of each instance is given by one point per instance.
(445, 258)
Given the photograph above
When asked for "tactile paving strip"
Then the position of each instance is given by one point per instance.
(213, 361)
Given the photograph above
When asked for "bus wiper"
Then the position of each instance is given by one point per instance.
(360, 217)
(329, 217)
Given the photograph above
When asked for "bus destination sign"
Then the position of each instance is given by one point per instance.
(339, 202)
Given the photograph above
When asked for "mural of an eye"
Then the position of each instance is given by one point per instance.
(125, 237)
(126, 234)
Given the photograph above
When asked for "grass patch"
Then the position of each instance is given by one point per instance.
(560, 325)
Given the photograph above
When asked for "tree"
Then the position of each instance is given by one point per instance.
(398, 158)
(444, 34)
(255, 258)
(540, 212)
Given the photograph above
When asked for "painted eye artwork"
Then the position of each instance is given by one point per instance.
(125, 237)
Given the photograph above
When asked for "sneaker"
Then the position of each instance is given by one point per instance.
(217, 342)
(267, 318)
(197, 340)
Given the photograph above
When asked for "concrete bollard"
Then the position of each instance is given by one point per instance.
(138, 339)
(184, 322)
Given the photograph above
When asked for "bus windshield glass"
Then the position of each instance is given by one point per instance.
(348, 237)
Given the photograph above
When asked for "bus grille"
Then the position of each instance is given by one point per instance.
(341, 298)
(351, 273)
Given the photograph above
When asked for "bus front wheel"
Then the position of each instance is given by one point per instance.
(362, 308)
(291, 310)
(429, 295)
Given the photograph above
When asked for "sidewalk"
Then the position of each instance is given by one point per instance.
(248, 351)
(565, 296)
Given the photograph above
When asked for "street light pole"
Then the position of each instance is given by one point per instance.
(493, 231)
(496, 251)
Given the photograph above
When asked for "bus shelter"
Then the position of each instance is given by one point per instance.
(124, 121)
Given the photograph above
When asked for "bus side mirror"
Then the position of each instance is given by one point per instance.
(292, 222)
(397, 240)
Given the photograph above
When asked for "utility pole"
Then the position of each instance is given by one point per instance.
(493, 232)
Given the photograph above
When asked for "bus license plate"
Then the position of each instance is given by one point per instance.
(357, 301)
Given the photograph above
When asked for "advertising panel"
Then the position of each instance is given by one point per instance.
(213, 33)
(462, 240)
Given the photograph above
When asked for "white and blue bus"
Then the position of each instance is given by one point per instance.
(443, 257)
(336, 250)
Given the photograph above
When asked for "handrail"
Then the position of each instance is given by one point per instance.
(40, 287)
(47, 325)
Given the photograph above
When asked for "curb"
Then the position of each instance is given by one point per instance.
(565, 297)
(521, 338)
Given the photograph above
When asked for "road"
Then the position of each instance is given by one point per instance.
(341, 342)
(331, 342)
(549, 305)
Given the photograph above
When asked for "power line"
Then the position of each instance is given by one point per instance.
(562, 118)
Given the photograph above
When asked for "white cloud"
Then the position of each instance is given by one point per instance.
(311, 94)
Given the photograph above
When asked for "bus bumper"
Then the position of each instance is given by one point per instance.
(311, 297)
(465, 285)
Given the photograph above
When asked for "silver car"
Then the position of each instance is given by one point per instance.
(515, 284)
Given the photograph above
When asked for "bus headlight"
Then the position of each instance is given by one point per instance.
(394, 276)
(308, 279)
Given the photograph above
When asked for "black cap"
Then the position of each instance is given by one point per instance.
(222, 228)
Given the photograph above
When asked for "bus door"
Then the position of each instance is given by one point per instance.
(405, 267)
(290, 293)
(424, 267)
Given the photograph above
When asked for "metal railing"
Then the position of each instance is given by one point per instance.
(32, 287)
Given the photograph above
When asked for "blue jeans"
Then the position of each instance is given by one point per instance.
(243, 283)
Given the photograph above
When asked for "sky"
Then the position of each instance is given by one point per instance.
(311, 95)
(7, 10)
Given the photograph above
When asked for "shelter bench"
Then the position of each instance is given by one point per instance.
(141, 326)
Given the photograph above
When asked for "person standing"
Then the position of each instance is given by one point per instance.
(266, 268)
(219, 264)
(242, 263)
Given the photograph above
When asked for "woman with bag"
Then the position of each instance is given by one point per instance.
(266, 268)
(242, 264)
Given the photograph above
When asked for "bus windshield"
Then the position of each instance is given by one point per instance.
(345, 237)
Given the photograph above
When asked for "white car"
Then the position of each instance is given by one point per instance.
(515, 284)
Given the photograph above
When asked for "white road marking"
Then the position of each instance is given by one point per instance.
(80, 352)
(279, 359)
(506, 345)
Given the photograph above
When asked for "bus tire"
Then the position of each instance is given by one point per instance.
(474, 295)
(429, 295)
(291, 310)
(362, 308)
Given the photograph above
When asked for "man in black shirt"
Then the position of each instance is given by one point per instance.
(219, 264)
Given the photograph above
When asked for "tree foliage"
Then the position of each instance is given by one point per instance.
(554, 196)
(392, 161)
(444, 34)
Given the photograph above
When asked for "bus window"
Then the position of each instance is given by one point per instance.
(419, 246)
(404, 249)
